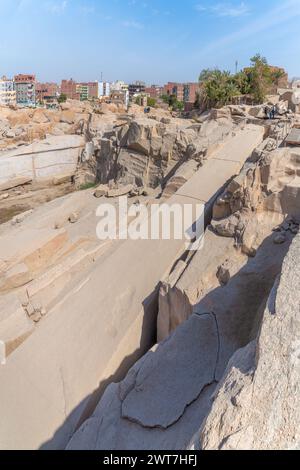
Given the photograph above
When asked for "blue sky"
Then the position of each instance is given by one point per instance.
(151, 40)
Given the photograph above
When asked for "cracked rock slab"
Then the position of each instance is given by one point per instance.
(259, 404)
(173, 377)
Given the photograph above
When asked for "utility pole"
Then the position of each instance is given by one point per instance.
(236, 66)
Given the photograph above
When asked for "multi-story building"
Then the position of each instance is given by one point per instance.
(7, 92)
(83, 91)
(93, 90)
(46, 91)
(70, 89)
(25, 90)
(104, 89)
(88, 91)
(185, 92)
(80, 91)
(136, 88)
(119, 85)
(190, 92)
(173, 88)
(154, 91)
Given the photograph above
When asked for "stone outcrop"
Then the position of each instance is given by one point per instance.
(258, 395)
(65, 288)
(53, 156)
(252, 205)
(145, 152)
(181, 176)
(52, 149)
(78, 145)
(22, 126)
(221, 380)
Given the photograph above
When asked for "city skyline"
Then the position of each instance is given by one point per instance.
(153, 41)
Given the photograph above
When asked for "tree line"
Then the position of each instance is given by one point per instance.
(219, 87)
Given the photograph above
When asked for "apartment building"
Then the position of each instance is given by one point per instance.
(93, 90)
(190, 91)
(25, 89)
(119, 85)
(104, 89)
(7, 92)
(88, 91)
(46, 91)
(82, 89)
(172, 88)
(154, 91)
(70, 89)
(136, 88)
(185, 92)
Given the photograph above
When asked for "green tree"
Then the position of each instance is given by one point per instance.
(172, 101)
(178, 106)
(217, 89)
(165, 98)
(151, 102)
(62, 98)
(207, 74)
(262, 78)
(242, 82)
(259, 78)
(197, 103)
(276, 75)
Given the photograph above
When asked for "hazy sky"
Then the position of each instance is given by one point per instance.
(151, 40)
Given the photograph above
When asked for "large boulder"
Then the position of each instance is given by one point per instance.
(138, 138)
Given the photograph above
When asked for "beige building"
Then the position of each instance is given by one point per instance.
(119, 85)
(7, 92)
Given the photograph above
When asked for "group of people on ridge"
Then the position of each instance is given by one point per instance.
(271, 111)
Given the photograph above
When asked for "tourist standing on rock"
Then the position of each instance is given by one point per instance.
(268, 112)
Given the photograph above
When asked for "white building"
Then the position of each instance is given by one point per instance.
(119, 85)
(103, 89)
(7, 92)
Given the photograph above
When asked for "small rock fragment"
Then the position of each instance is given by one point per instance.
(18, 219)
(43, 311)
(73, 218)
(223, 274)
(100, 191)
